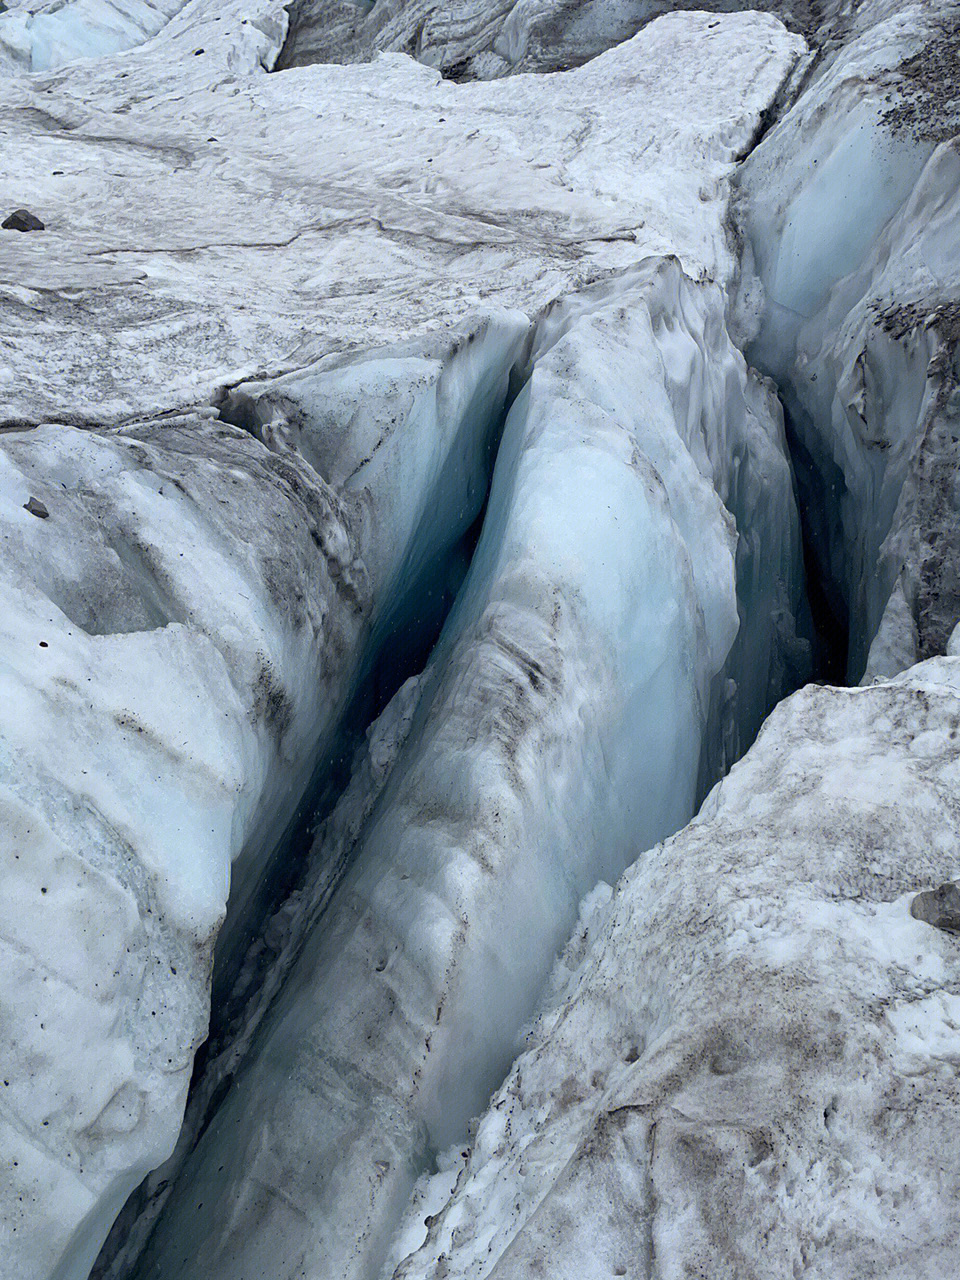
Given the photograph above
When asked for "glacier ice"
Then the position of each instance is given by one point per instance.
(752, 1053)
(310, 369)
(248, 328)
(488, 39)
(38, 36)
(558, 728)
(850, 208)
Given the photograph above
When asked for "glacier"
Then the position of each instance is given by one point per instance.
(488, 39)
(559, 723)
(39, 35)
(445, 453)
(849, 210)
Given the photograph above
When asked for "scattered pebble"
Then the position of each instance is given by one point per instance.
(939, 907)
(22, 220)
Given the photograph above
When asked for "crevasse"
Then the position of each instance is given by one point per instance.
(561, 722)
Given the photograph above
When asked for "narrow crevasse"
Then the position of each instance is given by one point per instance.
(406, 438)
(850, 212)
(561, 723)
(192, 611)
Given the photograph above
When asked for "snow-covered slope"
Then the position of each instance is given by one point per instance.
(560, 726)
(750, 1066)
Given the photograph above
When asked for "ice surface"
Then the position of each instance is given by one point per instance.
(754, 1056)
(346, 264)
(281, 219)
(560, 727)
(851, 211)
(38, 37)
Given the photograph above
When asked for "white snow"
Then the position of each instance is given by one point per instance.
(284, 218)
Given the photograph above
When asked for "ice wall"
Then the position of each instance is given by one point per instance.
(42, 36)
(187, 613)
(559, 726)
(489, 39)
(850, 207)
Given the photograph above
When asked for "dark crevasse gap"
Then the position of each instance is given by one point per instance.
(819, 497)
(238, 1002)
(255, 955)
(849, 211)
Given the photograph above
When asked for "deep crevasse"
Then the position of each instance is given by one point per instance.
(185, 631)
(850, 209)
(559, 728)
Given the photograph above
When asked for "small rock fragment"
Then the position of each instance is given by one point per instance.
(939, 907)
(36, 508)
(22, 220)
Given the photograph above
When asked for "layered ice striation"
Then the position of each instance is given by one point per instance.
(489, 39)
(560, 726)
(851, 211)
(39, 35)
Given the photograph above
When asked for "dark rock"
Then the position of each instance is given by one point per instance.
(939, 907)
(36, 508)
(22, 220)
